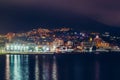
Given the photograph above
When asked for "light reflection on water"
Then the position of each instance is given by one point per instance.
(46, 69)
(59, 67)
(54, 69)
(17, 68)
(36, 68)
(7, 68)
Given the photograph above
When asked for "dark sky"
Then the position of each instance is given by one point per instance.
(21, 15)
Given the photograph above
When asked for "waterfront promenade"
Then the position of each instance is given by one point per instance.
(49, 52)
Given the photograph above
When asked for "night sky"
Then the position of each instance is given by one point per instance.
(24, 15)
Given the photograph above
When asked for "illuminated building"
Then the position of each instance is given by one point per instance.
(97, 39)
(87, 44)
(60, 39)
(58, 42)
(10, 36)
(69, 43)
(19, 47)
(103, 45)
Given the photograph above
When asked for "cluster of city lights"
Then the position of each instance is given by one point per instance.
(26, 48)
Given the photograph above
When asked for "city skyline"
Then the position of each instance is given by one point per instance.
(43, 40)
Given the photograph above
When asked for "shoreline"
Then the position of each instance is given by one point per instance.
(60, 53)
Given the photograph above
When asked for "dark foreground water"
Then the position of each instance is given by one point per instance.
(60, 67)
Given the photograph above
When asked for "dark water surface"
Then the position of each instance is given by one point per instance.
(60, 67)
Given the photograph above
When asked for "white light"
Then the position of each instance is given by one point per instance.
(18, 47)
(27, 47)
(15, 47)
(36, 48)
(11, 47)
(7, 47)
(46, 48)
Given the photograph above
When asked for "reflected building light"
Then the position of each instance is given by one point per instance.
(17, 68)
(97, 70)
(25, 68)
(36, 68)
(27, 58)
(11, 58)
(21, 57)
(7, 68)
(11, 67)
(45, 72)
(15, 60)
(18, 58)
(54, 69)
